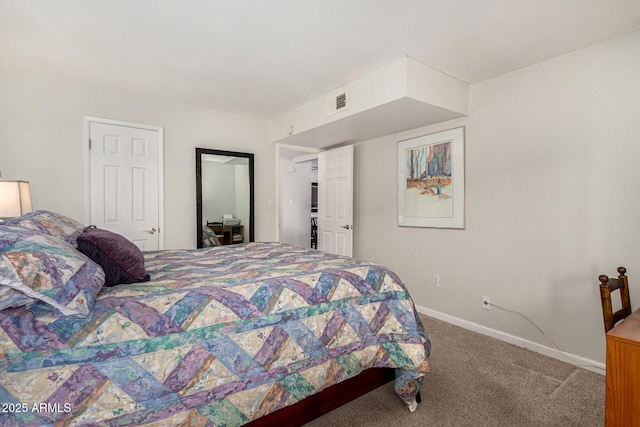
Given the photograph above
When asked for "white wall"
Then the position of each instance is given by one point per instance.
(551, 201)
(41, 141)
(294, 193)
(552, 189)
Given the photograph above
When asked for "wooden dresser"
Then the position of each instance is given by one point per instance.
(623, 373)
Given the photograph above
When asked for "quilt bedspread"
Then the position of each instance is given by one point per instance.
(219, 336)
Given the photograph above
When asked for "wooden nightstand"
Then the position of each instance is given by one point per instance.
(228, 234)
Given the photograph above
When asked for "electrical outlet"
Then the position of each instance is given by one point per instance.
(436, 281)
(486, 303)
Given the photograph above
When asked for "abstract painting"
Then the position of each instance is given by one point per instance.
(431, 180)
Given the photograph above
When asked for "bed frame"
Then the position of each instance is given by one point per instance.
(328, 399)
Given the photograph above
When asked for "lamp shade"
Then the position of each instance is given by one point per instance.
(15, 199)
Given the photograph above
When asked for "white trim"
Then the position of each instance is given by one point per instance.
(576, 360)
(299, 148)
(87, 120)
(277, 195)
(305, 158)
(312, 153)
(87, 168)
(161, 186)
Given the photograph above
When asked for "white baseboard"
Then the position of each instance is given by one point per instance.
(576, 360)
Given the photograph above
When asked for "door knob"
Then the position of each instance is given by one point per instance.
(346, 226)
(150, 231)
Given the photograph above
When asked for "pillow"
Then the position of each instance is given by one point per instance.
(48, 273)
(121, 260)
(9, 297)
(209, 237)
(50, 223)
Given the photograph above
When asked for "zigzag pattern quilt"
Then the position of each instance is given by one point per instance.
(218, 337)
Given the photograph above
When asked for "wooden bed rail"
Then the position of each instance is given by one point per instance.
(327, 400)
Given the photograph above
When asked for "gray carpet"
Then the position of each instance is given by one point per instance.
(480, 381)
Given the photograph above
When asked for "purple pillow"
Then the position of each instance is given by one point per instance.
(121, 260)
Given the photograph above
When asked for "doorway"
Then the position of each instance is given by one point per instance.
(297, 171)
(124, 180)
(330, 228)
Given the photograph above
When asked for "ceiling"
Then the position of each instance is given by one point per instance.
(266, 57)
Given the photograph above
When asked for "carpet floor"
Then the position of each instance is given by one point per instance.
(477, 380)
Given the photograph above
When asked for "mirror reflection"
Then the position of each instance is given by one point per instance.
(224, 199)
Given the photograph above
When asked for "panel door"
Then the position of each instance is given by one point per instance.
(125, 182)
(335, 206)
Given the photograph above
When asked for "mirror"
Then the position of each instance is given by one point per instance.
(224, 196)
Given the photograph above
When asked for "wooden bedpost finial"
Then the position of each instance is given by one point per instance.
(603, 278)
(622, 271)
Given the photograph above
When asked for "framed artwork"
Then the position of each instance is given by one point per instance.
(431, 180)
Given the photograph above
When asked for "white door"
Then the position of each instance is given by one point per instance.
(335, 201)
(126, 181)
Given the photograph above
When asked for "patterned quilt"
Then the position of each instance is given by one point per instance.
(219, 336)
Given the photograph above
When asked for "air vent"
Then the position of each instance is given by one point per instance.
(341, 101)
(336, 103)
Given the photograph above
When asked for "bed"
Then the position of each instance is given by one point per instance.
(223, 336)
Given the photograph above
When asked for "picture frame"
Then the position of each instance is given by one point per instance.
(431, 180)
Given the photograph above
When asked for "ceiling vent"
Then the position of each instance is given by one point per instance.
(336, 103)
